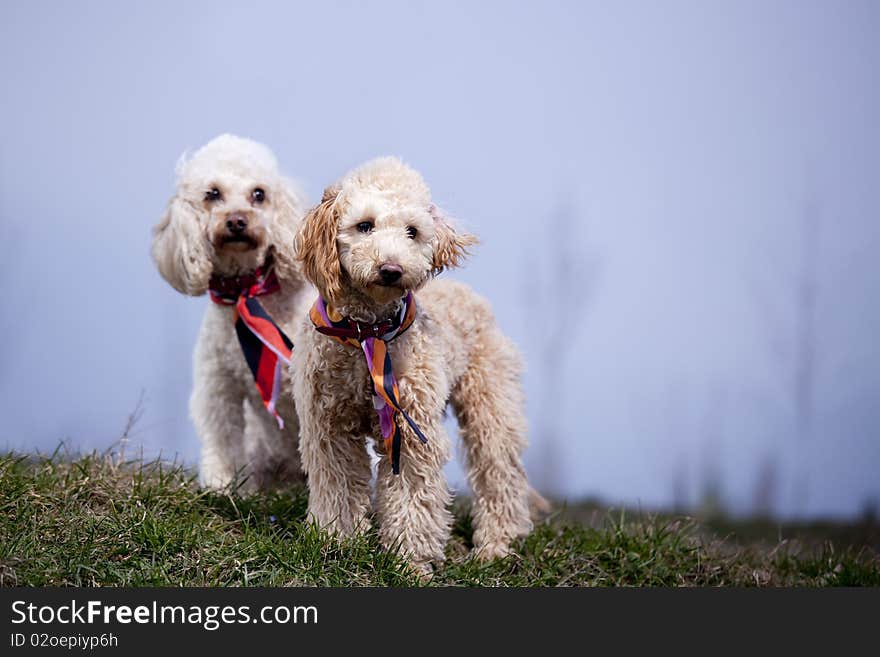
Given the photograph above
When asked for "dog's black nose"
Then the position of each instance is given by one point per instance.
(236, 223)
(390, 273)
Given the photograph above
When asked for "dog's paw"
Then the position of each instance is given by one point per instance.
(424, 570)
(341, 528)
(491, 551)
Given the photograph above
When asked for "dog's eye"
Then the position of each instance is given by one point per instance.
(412, 232)
(212, 194)
(258, 195)
(365, 226)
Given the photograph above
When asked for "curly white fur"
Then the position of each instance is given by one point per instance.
(381, 214)
(241, 441)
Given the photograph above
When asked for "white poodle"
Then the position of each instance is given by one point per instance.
(385, 362)
(230, 229)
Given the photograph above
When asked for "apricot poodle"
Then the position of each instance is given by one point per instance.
(385, 350)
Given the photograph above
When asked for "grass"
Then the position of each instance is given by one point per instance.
(97, 520)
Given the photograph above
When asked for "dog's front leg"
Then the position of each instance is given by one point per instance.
(217, 410)
(338, 468)
(413, 506)
(332, 431)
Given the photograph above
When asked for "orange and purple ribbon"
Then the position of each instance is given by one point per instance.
(373, 339)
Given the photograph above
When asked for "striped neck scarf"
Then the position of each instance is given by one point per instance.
(372, 339)
(264, 344)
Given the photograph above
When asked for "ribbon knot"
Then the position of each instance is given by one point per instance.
(264, 344)
(372, 339)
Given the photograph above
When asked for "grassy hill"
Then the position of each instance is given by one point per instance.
(97, 520)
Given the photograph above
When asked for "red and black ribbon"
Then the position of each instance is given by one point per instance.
(265, 346)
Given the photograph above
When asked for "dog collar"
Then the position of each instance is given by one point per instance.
(225, 290)
(329, 322)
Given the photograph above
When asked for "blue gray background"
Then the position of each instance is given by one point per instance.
(677, 201)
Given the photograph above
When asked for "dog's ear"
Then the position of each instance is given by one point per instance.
(316, 246)
(450, 246)
(289, 209)
(181, 249)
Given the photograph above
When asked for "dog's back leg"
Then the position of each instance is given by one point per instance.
(488, 402)
(272, 452)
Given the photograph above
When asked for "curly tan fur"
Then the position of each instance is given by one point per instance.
(241, 441)
(451, 247)
(453, 354)
(316, 246)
